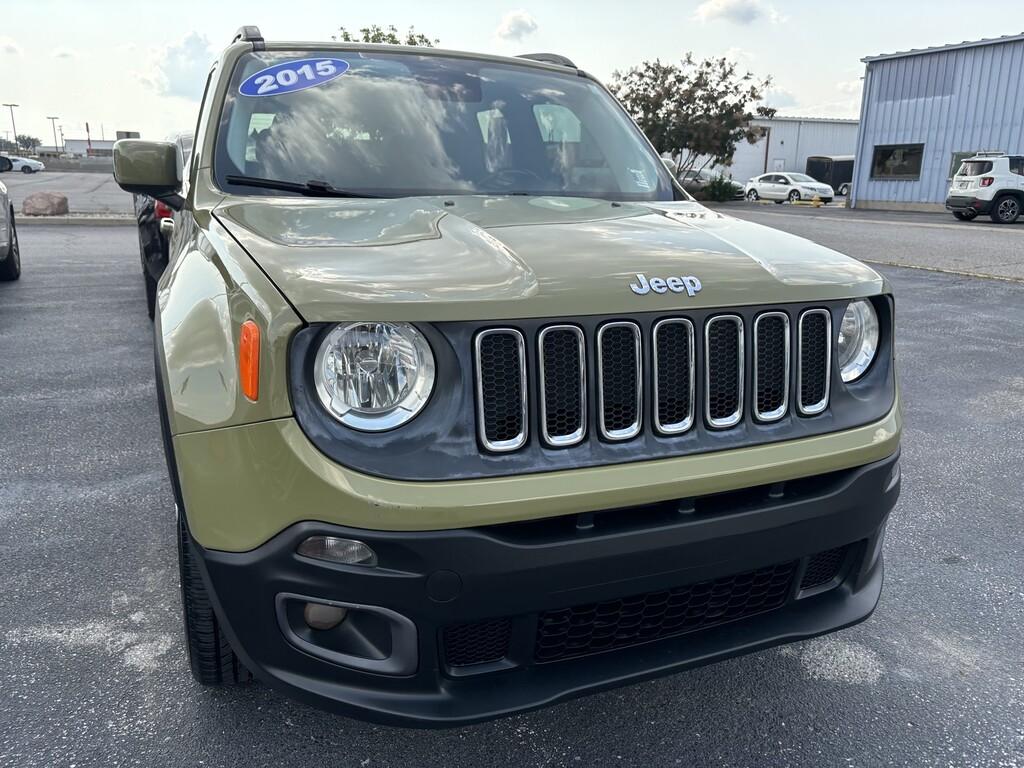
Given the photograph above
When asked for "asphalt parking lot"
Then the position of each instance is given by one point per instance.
(92, 666)
(87, 193)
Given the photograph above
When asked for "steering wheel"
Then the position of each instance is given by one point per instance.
(505, 178)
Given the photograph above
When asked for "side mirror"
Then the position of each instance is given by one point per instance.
(5, 164)
(148, 168)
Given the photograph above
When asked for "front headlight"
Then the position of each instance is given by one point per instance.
(374, 376)
(858, 339)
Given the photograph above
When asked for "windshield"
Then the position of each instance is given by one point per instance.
(800, 177)
(397, 124)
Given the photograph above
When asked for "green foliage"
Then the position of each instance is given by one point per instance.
(8, 146)
(719, 190)
(694, 109)
(378, 34)
(28, 143)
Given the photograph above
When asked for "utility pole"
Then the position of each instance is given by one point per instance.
(13, 126)
(53, 125)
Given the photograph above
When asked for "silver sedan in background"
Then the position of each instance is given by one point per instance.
(793, 187)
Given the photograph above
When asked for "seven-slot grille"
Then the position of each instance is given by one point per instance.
(560, 361)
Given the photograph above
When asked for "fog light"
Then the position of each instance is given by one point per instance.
(347, 551)
(320, 616)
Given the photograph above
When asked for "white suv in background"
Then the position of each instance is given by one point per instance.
(781, 186)
(991, 183)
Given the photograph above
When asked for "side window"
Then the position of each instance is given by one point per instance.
(557, 123)
(258, 123)
(1017, 165)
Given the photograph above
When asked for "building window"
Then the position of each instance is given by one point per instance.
(897, 161)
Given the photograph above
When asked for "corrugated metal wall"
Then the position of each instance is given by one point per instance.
(960, 100)
(789, 144)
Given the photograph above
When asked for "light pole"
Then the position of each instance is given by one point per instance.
(13, 126)
(53, 125)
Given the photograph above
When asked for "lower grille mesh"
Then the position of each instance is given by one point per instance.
(585, 629)
(477, 643)
(823, 567)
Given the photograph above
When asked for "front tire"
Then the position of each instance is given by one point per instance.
(752, 196)
(10, 267)
(210, 656)
(1005, 210)
(794, 196)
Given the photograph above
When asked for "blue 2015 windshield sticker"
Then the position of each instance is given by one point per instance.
(291, 76)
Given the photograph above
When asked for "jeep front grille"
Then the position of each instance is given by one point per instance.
(690, 371)
(563, 403)
(771, 366)
(501, 389)
(723, 371)
(674, 379)
(815, 360)
(619, 389)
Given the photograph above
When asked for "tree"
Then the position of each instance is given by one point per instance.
(696, 110)
(6, 145)
(28, 143)
(378, 34)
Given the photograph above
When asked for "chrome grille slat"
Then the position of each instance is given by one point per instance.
(674, 385)
(619, 380)
(563, 384)
(814, 361)
(723, 371)
(771, 357)
(501, 389)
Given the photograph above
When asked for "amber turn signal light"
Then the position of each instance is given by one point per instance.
(249, 360)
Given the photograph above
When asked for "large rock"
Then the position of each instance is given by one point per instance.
(45, 204)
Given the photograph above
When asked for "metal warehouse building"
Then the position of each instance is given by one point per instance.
(924, 110)
(787, 142)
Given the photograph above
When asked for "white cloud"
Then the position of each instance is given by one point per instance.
(739, 55)
(780, 98)
(850, 87)
(63, 53)
(180, 70)
(7, 45)
(741, 12)
(515, 25)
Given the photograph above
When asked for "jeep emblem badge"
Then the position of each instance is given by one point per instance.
(687, 283)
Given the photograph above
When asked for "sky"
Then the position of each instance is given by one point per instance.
(141, 66)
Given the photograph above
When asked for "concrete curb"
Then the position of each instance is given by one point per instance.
(84, 221)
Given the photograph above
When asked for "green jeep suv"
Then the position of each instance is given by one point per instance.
(469, 408)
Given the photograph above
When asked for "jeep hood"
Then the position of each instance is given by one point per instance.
(482, 258)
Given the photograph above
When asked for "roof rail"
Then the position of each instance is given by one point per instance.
(251, 34)
(549, 58)
(990, 153)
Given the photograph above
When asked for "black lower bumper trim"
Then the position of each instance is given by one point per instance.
(513, 576)
(963, 203)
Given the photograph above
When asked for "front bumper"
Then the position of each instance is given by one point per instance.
(965, 202)
(509, 583)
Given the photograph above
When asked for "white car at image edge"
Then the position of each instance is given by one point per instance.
(25, 164)
(783, 186)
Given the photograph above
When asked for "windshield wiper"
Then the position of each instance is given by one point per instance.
(312, 188)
